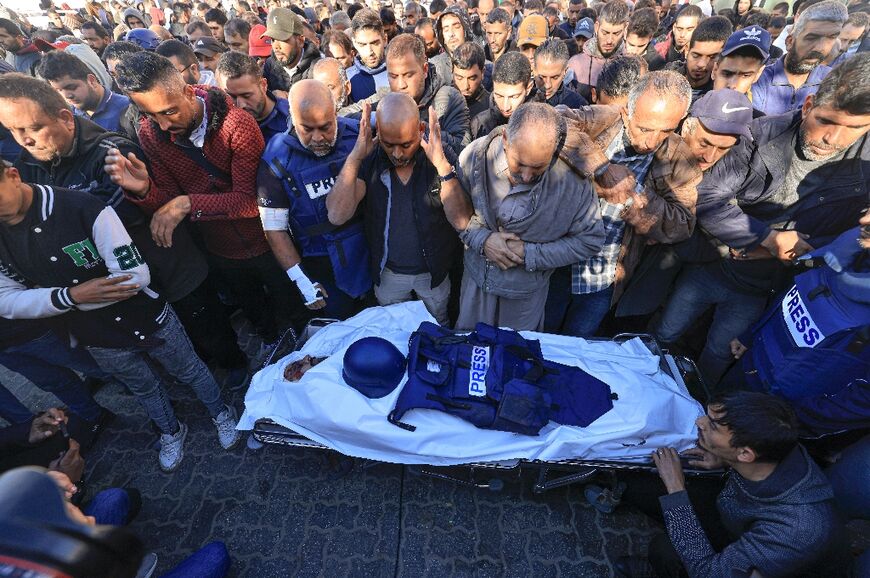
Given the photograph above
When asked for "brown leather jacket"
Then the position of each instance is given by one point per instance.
(670, 188)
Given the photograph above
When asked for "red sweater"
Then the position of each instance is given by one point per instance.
(225, 212)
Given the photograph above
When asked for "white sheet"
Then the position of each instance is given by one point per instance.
(652, 410)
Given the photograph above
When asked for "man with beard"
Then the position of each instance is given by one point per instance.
(296, 175)
(203, 154)
(369, 70)
(337, 45)
(672, 46)
(240, 77)
(468, 71)
(292, 55)
(704, 48)
(796, 185)
(498, 34)
(607, 43)
(532, 214)
(574, 8)
(96, 37)
(21, 53)
(409, 72)
(452, 29)
(785, 84)
(414, 204)
(184, 60)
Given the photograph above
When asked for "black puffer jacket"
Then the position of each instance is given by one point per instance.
(452, 111)
(486, 121)
(278, 79)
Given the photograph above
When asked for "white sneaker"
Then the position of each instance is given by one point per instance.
(225, 423)
(172, 449)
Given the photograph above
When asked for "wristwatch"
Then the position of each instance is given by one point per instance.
(449, 176)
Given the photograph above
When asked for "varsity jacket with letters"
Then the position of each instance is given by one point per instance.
(72, 237)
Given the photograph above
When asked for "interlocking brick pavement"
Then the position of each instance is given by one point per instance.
(297, 512)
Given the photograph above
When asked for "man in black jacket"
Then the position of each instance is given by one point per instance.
(65, 253)
(412, 199)
(511, 86)
(70, 152)
(292, 55)
(551, 64)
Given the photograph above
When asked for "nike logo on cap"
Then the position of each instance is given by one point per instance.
(727, 110)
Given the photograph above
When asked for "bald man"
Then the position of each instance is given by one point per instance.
(414, 204)
(294, 183)
(532, 214)
(330, 72)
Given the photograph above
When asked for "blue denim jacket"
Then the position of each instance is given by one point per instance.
(772, 94)
(109, 111)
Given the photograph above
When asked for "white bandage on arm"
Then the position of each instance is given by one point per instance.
(309, 292)
(274, 219)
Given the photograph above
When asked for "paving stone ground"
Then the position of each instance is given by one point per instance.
(295, 512)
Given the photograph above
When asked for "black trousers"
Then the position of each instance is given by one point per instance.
(267, 296)
(643, 492)
(207, 323)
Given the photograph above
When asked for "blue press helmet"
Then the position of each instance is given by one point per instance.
(373, 366)
(145, 38)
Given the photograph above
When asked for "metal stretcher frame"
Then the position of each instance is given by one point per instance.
(550, 474)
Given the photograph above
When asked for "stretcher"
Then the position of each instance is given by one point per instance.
(275, 421)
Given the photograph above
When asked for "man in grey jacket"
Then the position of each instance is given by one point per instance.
(532, 214)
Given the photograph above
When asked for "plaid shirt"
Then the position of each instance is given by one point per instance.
(598, 273)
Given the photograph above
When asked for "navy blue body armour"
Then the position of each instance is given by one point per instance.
(496, 379)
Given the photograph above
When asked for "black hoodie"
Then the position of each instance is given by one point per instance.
(278, 79)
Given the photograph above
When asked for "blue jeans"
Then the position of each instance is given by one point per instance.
(578, 315)
(48, 361)
(210, 561)
(696, 290)
(109, 507)
(175, 354)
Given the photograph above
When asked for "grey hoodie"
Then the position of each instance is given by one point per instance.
(133, 12)
(87, 55)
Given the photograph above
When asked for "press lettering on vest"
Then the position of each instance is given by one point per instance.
(477, 373)
(800, 323)
(83, 254)
(317, 189)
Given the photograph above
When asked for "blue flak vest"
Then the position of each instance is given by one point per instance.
(813, 342)
(307, 180)
(496, 379)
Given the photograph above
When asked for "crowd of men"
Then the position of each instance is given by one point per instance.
(577, 167)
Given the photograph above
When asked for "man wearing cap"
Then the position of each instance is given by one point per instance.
(259, 47)
(653, 201)
(292, 54)
(784, 85)
(741, 61)
(607, 43)
(704, 48)
(798, 184)
(532, 33)
(21, 53)
(185, 62)
(241, 78)
(583, 31)
(208, 51)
